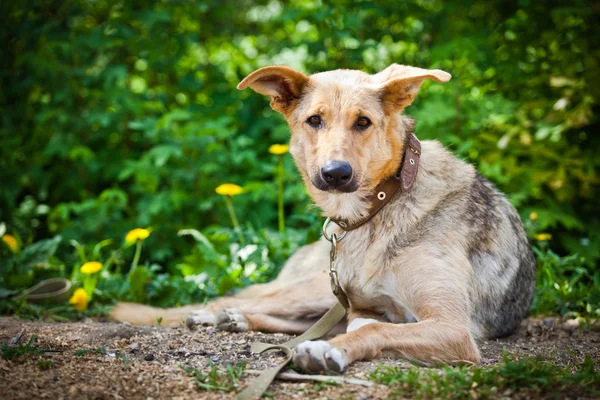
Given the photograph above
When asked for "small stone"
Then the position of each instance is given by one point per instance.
(572, 324)
(149, 357)
(133, 347)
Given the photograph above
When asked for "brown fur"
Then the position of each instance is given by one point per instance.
(439, 266)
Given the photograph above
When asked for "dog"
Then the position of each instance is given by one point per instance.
(444, 262)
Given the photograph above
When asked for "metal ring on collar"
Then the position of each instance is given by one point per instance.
(327, 236)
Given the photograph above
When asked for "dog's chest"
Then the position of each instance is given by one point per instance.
(363, 271)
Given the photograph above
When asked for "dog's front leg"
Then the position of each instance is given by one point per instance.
(428, 341)
(440, 304)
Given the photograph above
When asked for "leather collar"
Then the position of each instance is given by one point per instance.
(404, 178)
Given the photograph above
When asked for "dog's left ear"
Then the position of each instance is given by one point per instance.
(283, 84)
(400, 84)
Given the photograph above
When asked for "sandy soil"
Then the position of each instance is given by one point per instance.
(145, 362)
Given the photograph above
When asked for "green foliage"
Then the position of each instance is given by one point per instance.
(45, 364)
(19, 349)
(565, 286)
(18, 269)
(98, 351)
(118, 115)
(217, 380)
(526, 378)
(137, 283)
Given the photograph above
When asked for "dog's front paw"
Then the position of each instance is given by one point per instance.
(200, 318)
(319, 356)
(232, 320)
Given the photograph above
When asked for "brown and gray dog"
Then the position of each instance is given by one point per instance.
(440, 265)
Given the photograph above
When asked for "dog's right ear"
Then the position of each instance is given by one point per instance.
(282, 84)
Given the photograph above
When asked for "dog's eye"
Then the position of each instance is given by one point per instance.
(315, 121)
(363, 123)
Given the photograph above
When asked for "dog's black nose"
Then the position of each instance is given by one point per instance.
(336, 173)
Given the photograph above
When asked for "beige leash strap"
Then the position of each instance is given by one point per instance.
(256, 389)
(55, 290)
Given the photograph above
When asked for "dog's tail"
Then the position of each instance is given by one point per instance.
(139, 314)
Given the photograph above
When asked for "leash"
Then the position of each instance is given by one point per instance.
(257, 388)
(325, 324)
(49, 290)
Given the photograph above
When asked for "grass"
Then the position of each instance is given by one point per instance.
(531, 377)
(45, 364)
(14, 352)
(322, 385)
(565, 286)
(99, 350)
(124, 357)
(224, 381)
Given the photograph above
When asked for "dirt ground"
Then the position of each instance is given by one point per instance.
(145, 362)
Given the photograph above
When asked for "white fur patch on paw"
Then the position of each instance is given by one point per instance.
(358, 323)
(200, 318)
(232, 320)
(318, 356)
(335, 360)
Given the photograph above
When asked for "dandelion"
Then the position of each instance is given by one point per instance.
(137, 235)
(11, 242)
(542, 237)
(228, 190)
(279, 149)
(90, 267)
(79, 300)
(533, 216)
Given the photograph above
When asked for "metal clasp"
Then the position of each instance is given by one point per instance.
(335, 282)
(327, 236)
(333, 274)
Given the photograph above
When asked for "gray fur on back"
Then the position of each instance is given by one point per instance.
(499, 236)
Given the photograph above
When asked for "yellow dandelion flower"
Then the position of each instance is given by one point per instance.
(11, 242)
(91, 267)
(541, 237)
(79, 300)
(533, 216)
(279, 149)
(229, 189)
(137, 234)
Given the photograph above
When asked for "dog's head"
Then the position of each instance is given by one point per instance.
(347, 134)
